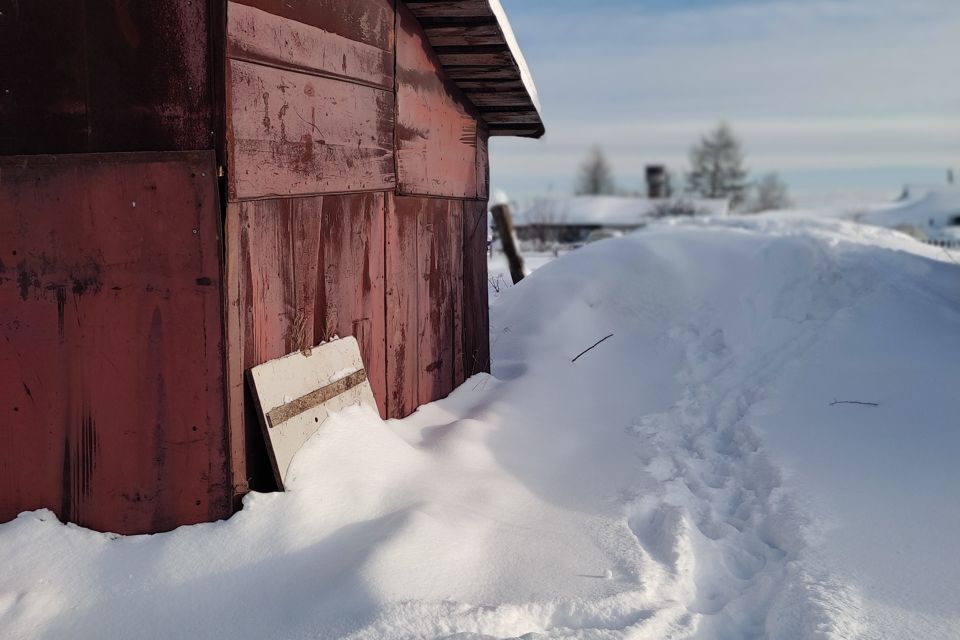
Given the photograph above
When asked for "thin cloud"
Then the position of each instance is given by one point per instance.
(807, 84)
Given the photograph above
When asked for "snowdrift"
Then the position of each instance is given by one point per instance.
(691, 476)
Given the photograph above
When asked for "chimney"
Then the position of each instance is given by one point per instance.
(656, 181)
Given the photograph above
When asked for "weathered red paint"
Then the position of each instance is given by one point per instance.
(402, 288)
(110, 320)
(304, 269)
(254, 35)
(366, 21)
(436, 125)
(291, 133)
(83, 76)
(351, 294)
(324, 234)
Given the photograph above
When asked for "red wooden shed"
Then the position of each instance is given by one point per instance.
(192, 188)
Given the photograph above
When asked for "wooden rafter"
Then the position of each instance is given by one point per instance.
(471, 46)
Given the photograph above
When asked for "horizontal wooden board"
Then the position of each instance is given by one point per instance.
(294, 134)
(464, 34)
(436, 125)
(449, 8)
(510, 117)
(110, 309)
(255, 35)
(458, 73)
(367, 21)
(487, 98)
(476, 58)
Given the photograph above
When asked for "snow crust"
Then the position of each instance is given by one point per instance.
(937, 208)
(686, 478)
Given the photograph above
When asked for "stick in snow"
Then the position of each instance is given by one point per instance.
(866, 404)
(591, 347)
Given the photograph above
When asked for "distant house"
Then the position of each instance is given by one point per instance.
(573, 219)
(930, 214)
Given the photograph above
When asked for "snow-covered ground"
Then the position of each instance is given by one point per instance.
(691, 476)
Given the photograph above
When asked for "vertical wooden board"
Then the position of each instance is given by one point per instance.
(351, 294)
(236, 284)
(436, 125)
(456, 288)
(476, 310)
(436, 234)
(402, 285)
(295, 134)
(112, 389)
(366, 21)
(257, 36)
(105, 76)
(272, 252)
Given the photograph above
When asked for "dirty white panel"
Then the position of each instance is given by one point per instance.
(296, 394)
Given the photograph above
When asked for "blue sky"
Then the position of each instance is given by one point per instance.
(847, 99)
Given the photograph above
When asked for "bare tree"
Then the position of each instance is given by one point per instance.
(596, 177)
(717, 169)
(770, 194)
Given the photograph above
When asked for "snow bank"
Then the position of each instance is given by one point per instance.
(688, 477)
(931, 211)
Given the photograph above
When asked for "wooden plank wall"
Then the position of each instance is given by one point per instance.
(111, 387)
(356, 205)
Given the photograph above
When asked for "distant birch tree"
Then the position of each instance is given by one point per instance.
(596, 177)
(770, 194)
(716, 167)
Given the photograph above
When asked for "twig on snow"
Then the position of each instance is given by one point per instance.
(865, 404)
(591, 347)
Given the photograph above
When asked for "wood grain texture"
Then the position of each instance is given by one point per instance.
(366, 21)
(438, 239)
(110, 312)
(351, 293)
(436, 125)
(402, 292)
(475, 300)
(449, 8)
(483, 163)
(273, 275)
(254, 35)
(305, 269)
(294, 134)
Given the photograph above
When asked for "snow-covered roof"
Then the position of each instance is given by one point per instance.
(479, 52)
(936, 207)
(609, 211)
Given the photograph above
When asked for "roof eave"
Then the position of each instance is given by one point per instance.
(476, 46)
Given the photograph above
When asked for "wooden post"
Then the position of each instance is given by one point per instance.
(508, 239)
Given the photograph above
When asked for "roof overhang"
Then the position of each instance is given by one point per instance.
(479, 52)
